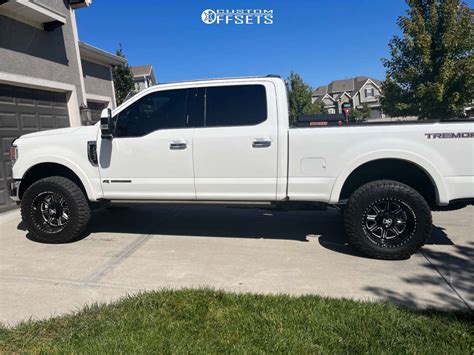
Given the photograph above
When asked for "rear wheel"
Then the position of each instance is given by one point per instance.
(387, 220)
(55, 210)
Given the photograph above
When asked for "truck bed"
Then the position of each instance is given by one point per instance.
(320, 160)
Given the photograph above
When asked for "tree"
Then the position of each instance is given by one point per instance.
(123, 79)
(431, 70)
(359, 115)
(299, 96)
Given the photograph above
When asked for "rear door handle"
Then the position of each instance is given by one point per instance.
(178, 145)
(261, 143)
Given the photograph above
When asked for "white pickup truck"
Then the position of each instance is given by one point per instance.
(229, 141)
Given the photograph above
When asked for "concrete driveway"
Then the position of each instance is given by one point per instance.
(144, 248)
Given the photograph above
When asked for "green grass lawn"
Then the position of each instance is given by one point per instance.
(213, 321)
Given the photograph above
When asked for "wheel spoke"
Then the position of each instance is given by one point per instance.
(397, 211)
(395, 230)
(372, 227)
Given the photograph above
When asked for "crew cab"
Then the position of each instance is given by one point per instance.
(229, 141)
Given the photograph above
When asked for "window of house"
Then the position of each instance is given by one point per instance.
(239, 105)
(369, 92)
(155, 111)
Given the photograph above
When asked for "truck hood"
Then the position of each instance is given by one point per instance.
(52, 132)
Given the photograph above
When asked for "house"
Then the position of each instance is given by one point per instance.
(357, 91)
(143, 76)
(48, 78)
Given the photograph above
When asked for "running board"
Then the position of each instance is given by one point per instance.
(192, 202)
(266, 205)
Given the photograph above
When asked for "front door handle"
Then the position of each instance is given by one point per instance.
(261, 143)
(178, 145)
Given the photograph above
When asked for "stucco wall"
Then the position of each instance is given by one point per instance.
(140, 84)
(97, 79)
(29, 51)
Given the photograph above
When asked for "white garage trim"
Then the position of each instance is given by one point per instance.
(78, 55)
(114, 101)
(37, 83)
(100, 98)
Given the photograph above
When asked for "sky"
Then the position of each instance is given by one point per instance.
(322, 40)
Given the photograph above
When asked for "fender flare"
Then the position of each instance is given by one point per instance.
(432, 172)
(67, 164)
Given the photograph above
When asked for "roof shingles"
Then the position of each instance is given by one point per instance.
(352, 86)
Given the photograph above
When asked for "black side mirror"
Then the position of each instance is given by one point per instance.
(107, 124)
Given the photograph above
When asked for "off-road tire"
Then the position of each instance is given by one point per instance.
(362, 209)
(77, 208)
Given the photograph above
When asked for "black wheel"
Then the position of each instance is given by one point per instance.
(55, 210)
(387, 220)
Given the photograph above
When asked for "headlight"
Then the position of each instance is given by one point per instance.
(13, 154)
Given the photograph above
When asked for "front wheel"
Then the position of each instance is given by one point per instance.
(387, 220)
(55, 210)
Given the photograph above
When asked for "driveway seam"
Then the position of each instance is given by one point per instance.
(117, 259)
(103, 270)
(450, 285)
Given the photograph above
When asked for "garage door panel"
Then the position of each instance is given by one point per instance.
(29, 122)
(7, 100)
(26, 102)
(46, 122)
(5, 174)
(60, 105)
(2, 172)
(62, 121)
(6, 143)
(8, 120)
(22, 111)
(4, 197)
(46, 104)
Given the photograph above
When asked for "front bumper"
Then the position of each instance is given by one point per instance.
(14, 189)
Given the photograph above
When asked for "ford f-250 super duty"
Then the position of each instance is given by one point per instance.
(229, 141)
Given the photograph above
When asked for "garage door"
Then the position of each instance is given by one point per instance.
(375, 113)
(22, 111)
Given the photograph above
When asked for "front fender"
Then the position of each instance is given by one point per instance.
(23, 166)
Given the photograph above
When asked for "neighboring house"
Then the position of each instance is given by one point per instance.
(48, 79)
(98, 81)
(143, 76)
(358, 91)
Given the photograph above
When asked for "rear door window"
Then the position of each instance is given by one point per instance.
(239, 105)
